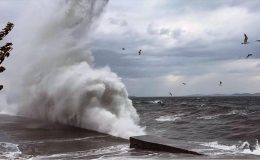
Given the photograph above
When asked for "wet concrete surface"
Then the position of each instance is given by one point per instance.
(35, 137)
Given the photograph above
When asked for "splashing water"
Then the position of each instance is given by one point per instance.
(9, 151)
(57, 80)
(243, 147)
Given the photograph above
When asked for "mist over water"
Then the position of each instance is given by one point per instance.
(52, 76)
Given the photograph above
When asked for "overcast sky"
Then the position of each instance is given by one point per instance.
(193, 41)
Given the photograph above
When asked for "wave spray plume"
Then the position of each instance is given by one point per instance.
(57, 78)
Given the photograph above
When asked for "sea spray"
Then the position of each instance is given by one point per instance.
(53, 77)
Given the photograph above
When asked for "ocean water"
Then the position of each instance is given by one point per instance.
(219, 127)
(229, 126)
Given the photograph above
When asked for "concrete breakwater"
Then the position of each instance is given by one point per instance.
(149, 142)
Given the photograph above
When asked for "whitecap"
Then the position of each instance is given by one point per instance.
(242, 147)
(237, 112)
(9, 151)
(169, 118)
(209, 117)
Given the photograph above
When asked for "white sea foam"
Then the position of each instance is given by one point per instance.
(64, 140)
(169, 118)
(9, 151)
(237, 112)
(203, 105)
(209, 117)
(53, 77)
(155, 101)
(256, 149)
(242, 147)
(111, 150)
(215, 144)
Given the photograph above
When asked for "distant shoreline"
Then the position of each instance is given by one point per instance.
(208, 95)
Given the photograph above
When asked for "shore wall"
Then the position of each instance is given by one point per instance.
(148, 142)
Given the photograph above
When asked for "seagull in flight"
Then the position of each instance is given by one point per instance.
(249, 55)
(220, 83)
(184, 84)
(140, 51)
(123, 49)
(170, 93)
(245, 39)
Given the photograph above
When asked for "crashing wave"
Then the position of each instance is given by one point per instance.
(58, 80)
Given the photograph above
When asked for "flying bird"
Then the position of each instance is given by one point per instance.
(123, 49)
(140, 51)
(220, 83)
(245, 39)
(249, 55)
(170, 93)
(184, 84)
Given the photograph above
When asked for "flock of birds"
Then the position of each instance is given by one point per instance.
(139, 52)
(245, 42)
(5, 50)
(170, 93)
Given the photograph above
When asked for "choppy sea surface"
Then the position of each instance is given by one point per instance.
(226, 127)
(229, 126)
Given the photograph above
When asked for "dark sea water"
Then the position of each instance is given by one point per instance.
(230, 126)
(219, 127)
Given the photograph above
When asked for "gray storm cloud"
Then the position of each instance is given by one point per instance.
(185, 39)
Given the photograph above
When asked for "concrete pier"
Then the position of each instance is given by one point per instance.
(41, 138)
(155, 143)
